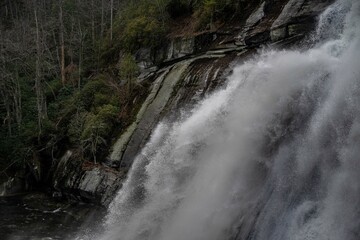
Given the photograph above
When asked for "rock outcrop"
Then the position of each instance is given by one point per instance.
(85, 181)
(174, 88)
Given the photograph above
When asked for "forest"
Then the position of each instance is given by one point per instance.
(68, 71)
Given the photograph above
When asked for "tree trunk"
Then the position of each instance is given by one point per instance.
(57, 52)
(80, 55)
(102, 19)
(62, 44)
(39, 97)
(92, 22)
(111, 18)
(17, 100)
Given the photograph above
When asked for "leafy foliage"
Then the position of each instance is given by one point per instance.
(144, 23)
(128, 70)
(83, 111)
(141, 24)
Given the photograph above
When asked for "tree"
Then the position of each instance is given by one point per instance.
(62, 42)
(40, 101)
(38, 39)
(128, 70)
(111, 18)
(209, 9)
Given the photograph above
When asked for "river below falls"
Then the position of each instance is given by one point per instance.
(39, 217)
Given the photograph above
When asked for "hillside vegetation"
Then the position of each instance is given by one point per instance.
(68, 71)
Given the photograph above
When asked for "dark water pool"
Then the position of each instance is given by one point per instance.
(39, 217)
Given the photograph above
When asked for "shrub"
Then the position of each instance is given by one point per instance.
(87, 95)
(141, 24)
(96, 128)
(128, 70)
(76, 126)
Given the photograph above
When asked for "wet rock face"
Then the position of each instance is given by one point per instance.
(298, 17)
(153, 113)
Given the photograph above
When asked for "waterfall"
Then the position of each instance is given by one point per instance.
(274, 155)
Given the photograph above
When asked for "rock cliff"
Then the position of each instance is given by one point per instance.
(182, 73)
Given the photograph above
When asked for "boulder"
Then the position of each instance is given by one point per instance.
(257, 38)
(278, 34)
(256, 16)
(143, 58)
(85, 181)
(14, 185)
(180, 47)
(290, 10)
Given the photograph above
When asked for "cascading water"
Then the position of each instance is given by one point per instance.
(275, 155)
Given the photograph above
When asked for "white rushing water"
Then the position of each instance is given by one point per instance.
(275, 155)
